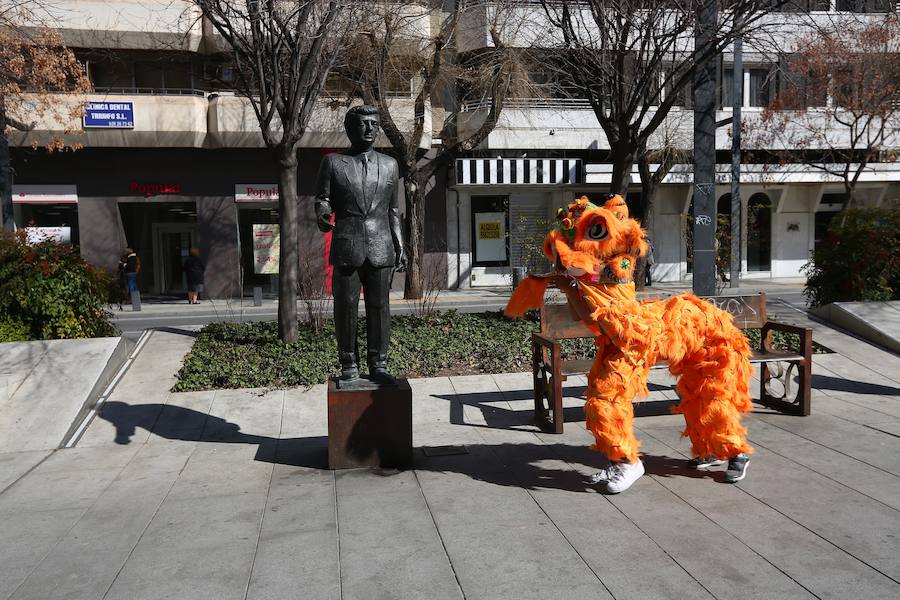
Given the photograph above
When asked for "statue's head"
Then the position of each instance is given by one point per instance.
(362, 124)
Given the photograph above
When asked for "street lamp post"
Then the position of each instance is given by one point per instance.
(704, 91)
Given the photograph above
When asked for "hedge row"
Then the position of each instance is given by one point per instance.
(238, 355)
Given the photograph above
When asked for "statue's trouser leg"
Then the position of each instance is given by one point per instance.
(714, 393)
(345, 286)
(609, 410)
(377, 284)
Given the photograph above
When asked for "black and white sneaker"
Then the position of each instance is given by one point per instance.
(737, 468)
(702, 463)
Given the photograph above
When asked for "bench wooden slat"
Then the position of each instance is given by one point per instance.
(557, 322)
(576, 367)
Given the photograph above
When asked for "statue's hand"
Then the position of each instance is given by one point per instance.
(400, 261)
(323, 221)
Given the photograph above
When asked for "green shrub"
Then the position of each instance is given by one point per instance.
(12, 330)
(230, 355)
(51, 290)
(858, 260)
(237, 355)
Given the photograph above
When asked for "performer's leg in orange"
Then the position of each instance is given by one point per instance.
(608, 410)
(714, 394)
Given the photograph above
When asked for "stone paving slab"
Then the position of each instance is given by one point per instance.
(878, 322)
(46, 385)
(224, 495)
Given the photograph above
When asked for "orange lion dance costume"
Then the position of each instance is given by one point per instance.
(594, 250)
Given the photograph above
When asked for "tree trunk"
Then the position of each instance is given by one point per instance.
(6, 206)
(623, 161)
(648, 192)
(288, 256)
(415, 226)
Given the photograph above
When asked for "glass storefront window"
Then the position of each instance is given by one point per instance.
(490, 226)
(162, 235)
(759, 233)
(248, 216)
(48, 215)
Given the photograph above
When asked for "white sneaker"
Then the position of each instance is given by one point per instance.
(601, 475)
(622, 475)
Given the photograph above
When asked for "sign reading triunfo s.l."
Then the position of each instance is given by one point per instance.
(266, 247)
(109, 115)
(256, 192)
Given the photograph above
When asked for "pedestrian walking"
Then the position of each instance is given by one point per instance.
(131, 269)
(194, 270)
(651, 260)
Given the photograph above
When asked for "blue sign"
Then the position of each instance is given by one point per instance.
(109, 115)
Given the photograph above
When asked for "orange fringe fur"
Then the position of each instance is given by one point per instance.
(706, 352)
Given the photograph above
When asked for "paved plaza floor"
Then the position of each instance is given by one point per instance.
(224, 495)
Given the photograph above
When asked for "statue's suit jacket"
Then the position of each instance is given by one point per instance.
(367, 213)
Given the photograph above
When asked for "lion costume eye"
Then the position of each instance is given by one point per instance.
(598, 230)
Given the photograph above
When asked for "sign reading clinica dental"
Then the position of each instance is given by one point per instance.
(109, 115)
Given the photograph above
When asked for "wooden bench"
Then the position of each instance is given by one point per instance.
(749, 312)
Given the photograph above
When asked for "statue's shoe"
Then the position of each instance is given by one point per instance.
(381, 376)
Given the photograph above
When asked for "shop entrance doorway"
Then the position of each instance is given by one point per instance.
(173, 243)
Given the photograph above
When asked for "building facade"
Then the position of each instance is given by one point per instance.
(173, 159)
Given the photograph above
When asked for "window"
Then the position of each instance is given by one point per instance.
(490, 227)
(759, 233)
(727, 88)
(110, 73)
(828, 208)
(762, 88)
(798, 90)
(801, 6)
(148, 75)
(865, 6)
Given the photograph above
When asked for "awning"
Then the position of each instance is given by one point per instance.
(518, 171)
(45, 194)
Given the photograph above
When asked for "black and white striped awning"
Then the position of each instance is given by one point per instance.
(518, 171)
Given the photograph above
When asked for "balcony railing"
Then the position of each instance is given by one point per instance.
(138, 91)
(531, 103)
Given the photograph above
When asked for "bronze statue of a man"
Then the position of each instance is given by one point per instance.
(360, 187)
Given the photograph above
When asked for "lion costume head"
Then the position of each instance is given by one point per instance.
(599, 243)
(590, 243)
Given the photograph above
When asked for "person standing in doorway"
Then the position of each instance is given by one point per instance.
(132, 268)
(194, 269)
(651, 260)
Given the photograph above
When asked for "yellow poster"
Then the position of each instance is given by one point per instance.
(489, 230)
(266, 246)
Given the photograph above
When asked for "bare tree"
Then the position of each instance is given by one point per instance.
(34, 66)
(395, 54)
(632, 60)
(839, 109)
(666, 149)
(282, 52)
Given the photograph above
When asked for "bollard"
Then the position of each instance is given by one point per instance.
(518, 274)
(136, 301)
(257, 296)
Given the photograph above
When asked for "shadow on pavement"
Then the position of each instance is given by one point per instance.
(839, 384)
(499, 417)
(530, 465)
(178, 423)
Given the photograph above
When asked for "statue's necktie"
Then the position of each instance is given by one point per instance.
(367, 186)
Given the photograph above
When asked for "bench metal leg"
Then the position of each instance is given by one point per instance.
(541, 387)
(798, 404)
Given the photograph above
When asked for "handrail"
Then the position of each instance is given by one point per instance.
(140, 91)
